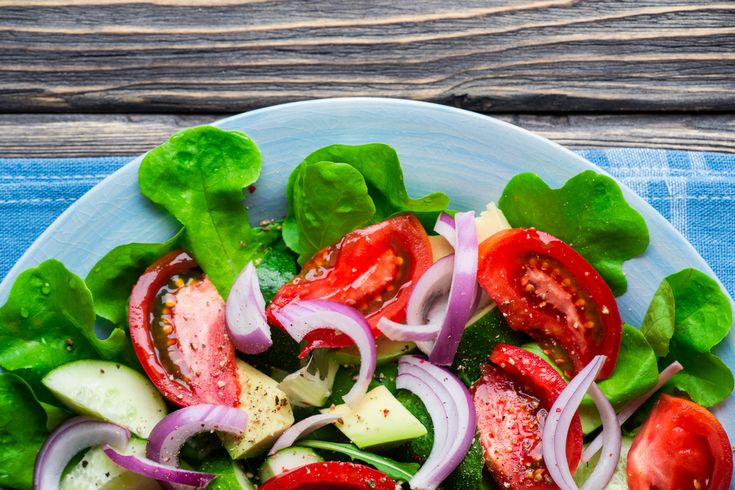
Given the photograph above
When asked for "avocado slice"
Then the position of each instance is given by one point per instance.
(378, 420)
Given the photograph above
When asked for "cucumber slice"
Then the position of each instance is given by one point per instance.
(287, 459)
(95, 471)
(109, 391)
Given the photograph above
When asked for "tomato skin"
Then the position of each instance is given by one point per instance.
(331, 475)
(681, 445)
(204, 369)
(512, 400)
(372, 269)
(548, 290)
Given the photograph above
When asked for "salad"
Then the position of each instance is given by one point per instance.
(366, 340)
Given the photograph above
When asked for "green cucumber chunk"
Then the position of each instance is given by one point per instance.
(287, 459)
(95, 471)
(109, 391)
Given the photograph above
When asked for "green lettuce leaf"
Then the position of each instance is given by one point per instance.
(198, 176)
(114, 276)
(689, 315)
(588, 212)
(276, 269)
(705, 378)
(328, 200)
(394, 469)
(22, 431)
(703, 312)
(381, 184)
(48, 321)
(658, 324)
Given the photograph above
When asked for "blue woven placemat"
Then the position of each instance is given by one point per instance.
(695, 191)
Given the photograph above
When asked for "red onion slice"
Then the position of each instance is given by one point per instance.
(66, 441)
(157, 471)
(633, 405)
(301, 429)
(172, 432)
(445, 226)
(245, 313)
(462, 292)
(408, 333)
(556, 430)
(452, 412)
(305, 316)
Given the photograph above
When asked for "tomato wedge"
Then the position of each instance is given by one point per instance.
(681, 445)
(512, 400)
(331, 475)
(548, 290)
(372, 269)
(177, 325)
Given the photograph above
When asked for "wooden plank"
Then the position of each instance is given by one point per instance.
(79, 135)
(225, 56)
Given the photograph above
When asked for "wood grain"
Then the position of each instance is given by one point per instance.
(225, 56)
(79, 135)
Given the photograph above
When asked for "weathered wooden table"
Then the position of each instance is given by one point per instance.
(116, 77)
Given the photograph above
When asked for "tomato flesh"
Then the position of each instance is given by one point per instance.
(331, 475)
(177, 325)
(372, 269)
(548, 290)
(512, 400)
(681, 445)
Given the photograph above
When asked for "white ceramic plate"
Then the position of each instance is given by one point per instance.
(468, 156)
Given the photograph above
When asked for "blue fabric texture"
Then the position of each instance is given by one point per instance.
(695, 191)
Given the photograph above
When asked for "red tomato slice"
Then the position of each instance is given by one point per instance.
(372, 269)
(681, 445)
(512, 402)
(177, 325)
(548, 290)
(331, 475)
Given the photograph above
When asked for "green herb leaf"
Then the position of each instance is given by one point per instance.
(328, 200)
(394, 469)
(703, 312)
(588, 212)
(658, 324)
(705, 378)
(198, 176)
(22, 431)
(114, 276)
(48, 321)
(382, 178)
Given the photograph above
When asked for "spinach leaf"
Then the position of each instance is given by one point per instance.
(478, 341)
(276, 269)
(114, 276)
(382, 177)
(688, 316)
(22, 431)
(635, 373)
(394, 469)
(588, 212)
(703, 312)
(328, 200)
(48, 321)
(658, 324)
(705, 378)
(198, 176)
(467, 476)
